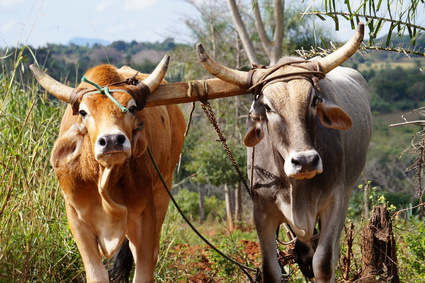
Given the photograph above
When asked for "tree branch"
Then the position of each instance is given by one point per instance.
(241, 29)
(345, 15)
(279, 11)
(267, 44)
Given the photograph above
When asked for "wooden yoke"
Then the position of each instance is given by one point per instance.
(164, 94)
(192, 91)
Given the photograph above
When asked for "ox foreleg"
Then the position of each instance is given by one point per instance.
(266, 229)
(88, 247)
(141, 237)
(327, 252)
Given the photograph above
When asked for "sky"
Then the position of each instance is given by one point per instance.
(37, 22)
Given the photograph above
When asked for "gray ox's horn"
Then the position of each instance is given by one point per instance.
(156, 77)
(57, 89)
(63, 92)
(338, 57)
(239, 77)
(220, 71)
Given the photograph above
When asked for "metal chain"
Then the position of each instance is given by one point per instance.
(210, 114)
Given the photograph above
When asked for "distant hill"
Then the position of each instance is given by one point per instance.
(82, 41)
(403, 41)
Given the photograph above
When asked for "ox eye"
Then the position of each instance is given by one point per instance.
(268, 109)
(132, 110)
(82, 113)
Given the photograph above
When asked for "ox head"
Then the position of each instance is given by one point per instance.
(287, 103)
(109, 115)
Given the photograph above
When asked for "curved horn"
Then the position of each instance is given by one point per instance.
(226, 74)
(156, 77)
(57, 89)
(339, 56)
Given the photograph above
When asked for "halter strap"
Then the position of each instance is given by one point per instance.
(137, 89)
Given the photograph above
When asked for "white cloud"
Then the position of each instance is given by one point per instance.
(102, 6)
(140, 5)
(11, 4)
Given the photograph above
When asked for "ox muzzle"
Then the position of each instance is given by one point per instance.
(112, 148)
(303, 165)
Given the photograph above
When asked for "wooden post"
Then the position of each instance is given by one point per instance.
(379, 259)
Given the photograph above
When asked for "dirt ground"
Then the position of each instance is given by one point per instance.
(196, 264)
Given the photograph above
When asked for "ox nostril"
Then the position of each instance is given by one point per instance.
(102, 141)
(121, 139)
(316, 161)
(296, 162)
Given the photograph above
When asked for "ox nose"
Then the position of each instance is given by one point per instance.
(110, 143)
(304, 164)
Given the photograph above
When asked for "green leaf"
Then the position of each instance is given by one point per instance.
(321, 17)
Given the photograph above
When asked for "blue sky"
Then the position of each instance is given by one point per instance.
(37, 22)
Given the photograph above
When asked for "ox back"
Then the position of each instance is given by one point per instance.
(324, 198)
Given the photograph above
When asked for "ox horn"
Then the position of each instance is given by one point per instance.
(226, 74)
(239, 78)
(156, 77)
(57, 89)
(63, 92)
(339, 56)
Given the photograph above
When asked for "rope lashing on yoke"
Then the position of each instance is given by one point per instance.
(313, 73)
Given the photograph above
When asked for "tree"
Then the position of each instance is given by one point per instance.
(397, 16)
(272, 47)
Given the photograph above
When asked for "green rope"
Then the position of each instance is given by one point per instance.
(105, 91)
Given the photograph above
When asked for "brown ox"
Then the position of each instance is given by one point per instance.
(110, 186)
(309, 127)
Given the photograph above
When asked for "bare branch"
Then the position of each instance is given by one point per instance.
(279, 11)
(419, 123)
(241, 29)
(267, 44)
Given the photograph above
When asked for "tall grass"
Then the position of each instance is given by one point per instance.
(35, 242)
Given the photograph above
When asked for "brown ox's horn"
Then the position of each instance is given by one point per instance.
(156, 77)
(338, 57)
(57, 89)
(226, 74)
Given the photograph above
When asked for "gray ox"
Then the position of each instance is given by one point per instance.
(308, 132)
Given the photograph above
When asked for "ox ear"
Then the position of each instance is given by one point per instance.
(332, 116)
(254, 131)
(68, 146)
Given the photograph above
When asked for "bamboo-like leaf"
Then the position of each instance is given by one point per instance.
(323, 42)
(335, 18)
(321, 17)
(347, 3)
(379, 5)
(390, 33)
(389, 9)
